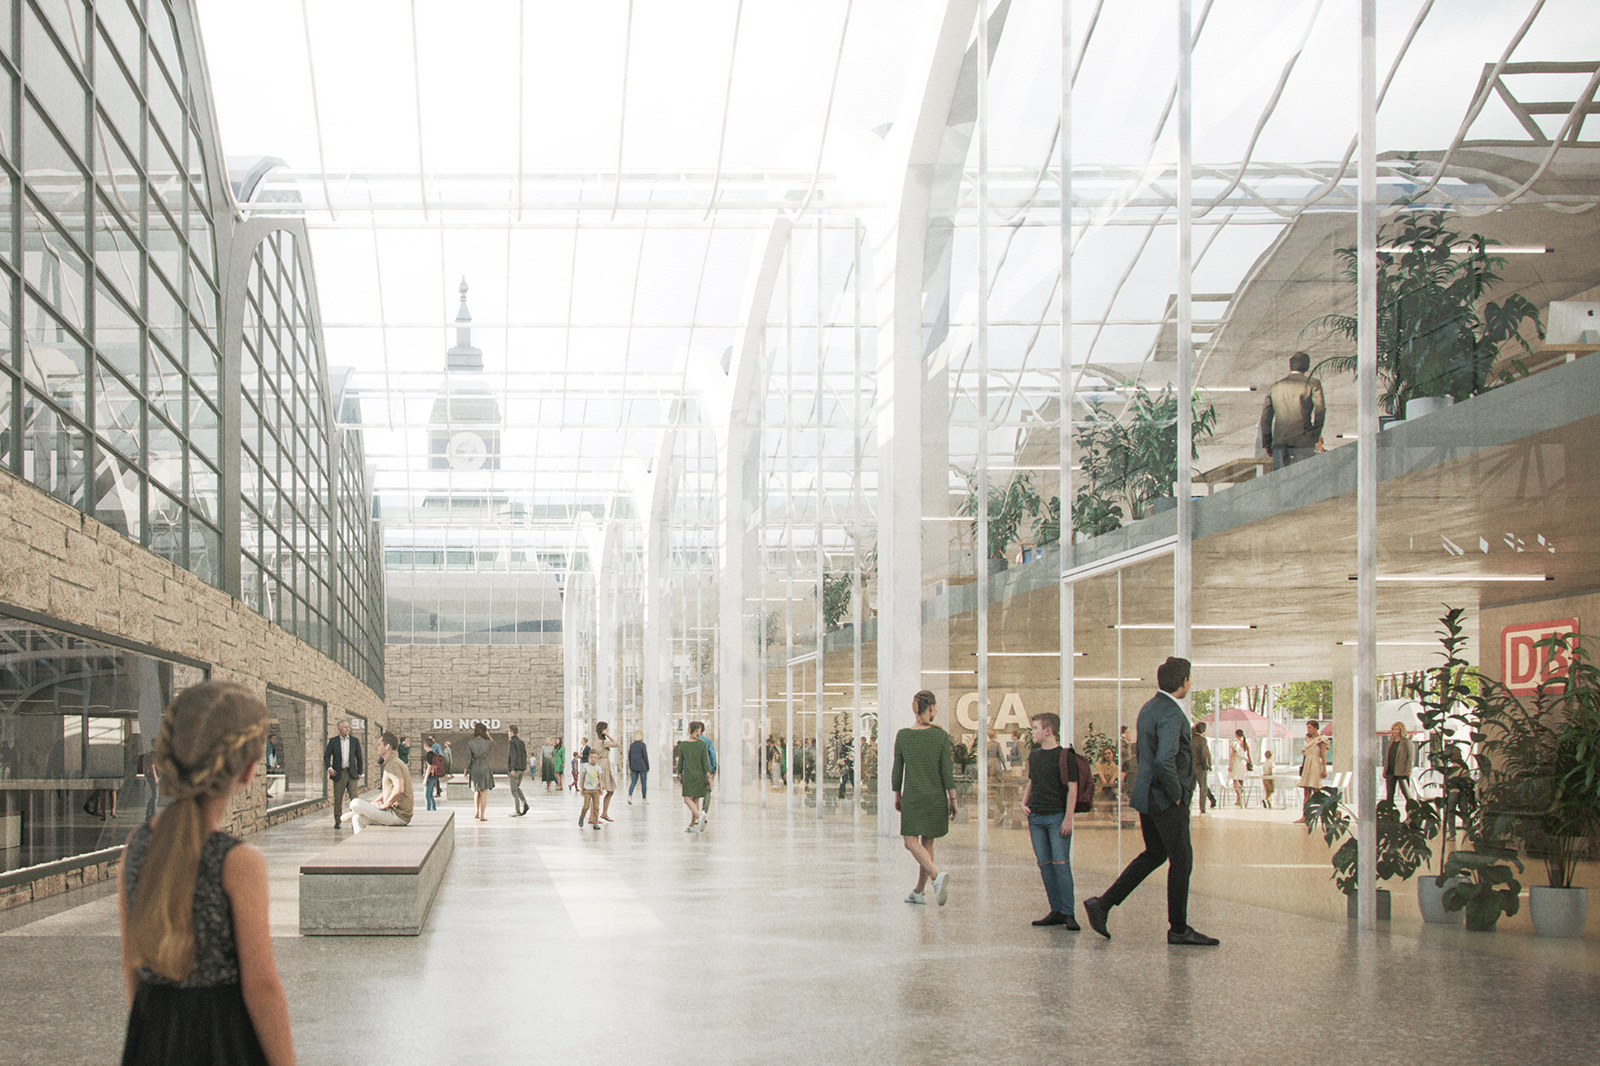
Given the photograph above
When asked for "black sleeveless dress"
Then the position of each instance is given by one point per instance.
(202, 1019)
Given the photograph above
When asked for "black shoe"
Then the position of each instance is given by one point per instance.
(1053, 918)
(1096, 913)
(1070, 923)
(580, 818)
(1193, 936)
(336, 823)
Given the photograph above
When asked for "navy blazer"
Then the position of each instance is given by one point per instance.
(331, 760)
(638, 758)
(1165, 776)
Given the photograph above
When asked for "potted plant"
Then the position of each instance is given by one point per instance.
(836, 591)
(1547, 782)
(1434, 344)
(1132, 459)
(1484, 886)
(1449, 699)
(1010, 504)
(1402, 843)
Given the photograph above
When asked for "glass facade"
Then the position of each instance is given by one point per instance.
(115, 370)
(286, 478)
(110, 270)
(79, 720)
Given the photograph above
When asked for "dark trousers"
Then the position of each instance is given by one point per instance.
(344, 785)
(519, 802)
(1166, 840)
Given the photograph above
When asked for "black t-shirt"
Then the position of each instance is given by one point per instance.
(1049, 795)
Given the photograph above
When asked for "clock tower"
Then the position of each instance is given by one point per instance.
(464, 427)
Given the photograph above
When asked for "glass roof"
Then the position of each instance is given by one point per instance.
(603, 175)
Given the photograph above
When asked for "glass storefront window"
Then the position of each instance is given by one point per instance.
(77, 719)
(297, 731)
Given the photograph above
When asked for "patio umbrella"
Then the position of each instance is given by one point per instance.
(1253, 724)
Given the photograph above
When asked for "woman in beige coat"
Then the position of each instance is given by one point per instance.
(1398, 760)
(1313, 762)
(605, 745)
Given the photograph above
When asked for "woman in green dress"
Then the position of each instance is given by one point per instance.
(694, 774)
(924, 782)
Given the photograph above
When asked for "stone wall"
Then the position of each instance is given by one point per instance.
(514, 684)
(57, 562)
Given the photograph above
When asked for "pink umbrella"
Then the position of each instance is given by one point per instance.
(1253, 724)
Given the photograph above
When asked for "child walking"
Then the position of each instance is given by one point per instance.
(192, 900)
(591, 781)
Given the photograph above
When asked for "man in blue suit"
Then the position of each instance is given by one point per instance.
(1162, 789)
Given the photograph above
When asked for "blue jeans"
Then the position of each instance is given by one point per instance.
(1283, 455)
(642, 779)
(431, 791)
(1054, 853)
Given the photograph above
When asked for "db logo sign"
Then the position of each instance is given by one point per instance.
(1526, 665)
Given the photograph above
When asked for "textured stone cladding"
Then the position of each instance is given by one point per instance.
(59, 562)
(516, 684)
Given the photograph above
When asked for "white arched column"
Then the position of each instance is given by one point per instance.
(899, 244)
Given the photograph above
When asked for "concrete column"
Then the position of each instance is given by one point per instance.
(657, 710)
(1344, 709)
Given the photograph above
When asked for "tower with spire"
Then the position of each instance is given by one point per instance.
(464, 427)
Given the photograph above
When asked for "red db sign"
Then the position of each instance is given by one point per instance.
(1526, 665)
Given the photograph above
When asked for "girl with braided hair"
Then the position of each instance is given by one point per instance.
(196, 947)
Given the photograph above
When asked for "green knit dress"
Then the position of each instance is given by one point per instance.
(694, 768)
(923, 774)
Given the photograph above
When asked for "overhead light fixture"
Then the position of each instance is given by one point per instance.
(1226, 388)
(1030, 654)
(973, 672)
(1463, 249)
(1429, 579)
(1107, 679)
(1236, 666)
(1169, 625)
(948, 518)
(1394, 643)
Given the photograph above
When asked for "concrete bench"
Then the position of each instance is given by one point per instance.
(379, 882)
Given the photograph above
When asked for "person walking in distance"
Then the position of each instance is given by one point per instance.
(590, 784)
(638, 768)
(1048, 800)
(394, 806)
(1313, 764)
(547, 763)
(516, 766)
(341, 757)
(432, 772)
(1239, 764)
(1200, 752)
(478, 773)
(605, 745)
(1268, 785)
(1398, 760)
(1292, 417)
(924, 781)
(197, 965)
(694, 774)
(560, 758)
(1161, 795)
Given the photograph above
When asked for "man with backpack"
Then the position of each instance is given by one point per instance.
(1292, 417)
(1050, 798)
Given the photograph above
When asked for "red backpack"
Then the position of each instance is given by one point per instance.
(1084, 774)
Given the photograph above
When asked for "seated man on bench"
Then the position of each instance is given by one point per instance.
(394, 806)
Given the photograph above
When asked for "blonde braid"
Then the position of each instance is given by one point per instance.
(209, 734)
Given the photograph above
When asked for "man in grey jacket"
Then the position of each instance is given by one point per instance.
(1292, 417)
(1161, 794)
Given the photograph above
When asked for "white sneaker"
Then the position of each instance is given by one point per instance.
(702, 824)
(941, 888)
(915, 897)
(690, 829)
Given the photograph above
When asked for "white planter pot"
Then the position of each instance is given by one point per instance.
(1430, 900)
(1427, 405)
(1558, 912)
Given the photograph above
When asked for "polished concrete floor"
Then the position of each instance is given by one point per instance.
(773, 938)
